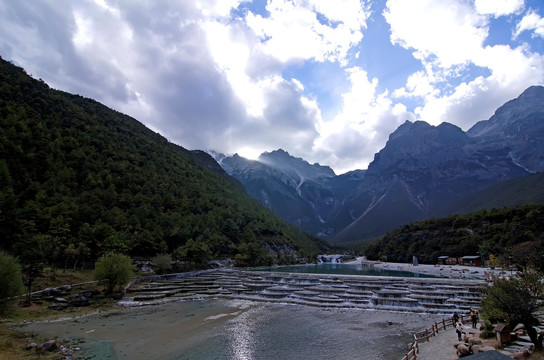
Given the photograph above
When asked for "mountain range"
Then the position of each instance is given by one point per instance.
(423, 171)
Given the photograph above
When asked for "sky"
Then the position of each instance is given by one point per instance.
(325, 80)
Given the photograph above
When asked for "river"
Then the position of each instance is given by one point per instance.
(238, 330)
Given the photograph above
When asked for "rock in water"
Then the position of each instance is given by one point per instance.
(49, 346)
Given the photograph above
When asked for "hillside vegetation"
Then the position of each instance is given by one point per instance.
(509, 234)
(78, 179)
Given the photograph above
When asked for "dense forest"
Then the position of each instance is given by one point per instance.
(78, 180)
(507, 235)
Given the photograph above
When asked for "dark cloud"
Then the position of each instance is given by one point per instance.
(41, 40)
(195, 103)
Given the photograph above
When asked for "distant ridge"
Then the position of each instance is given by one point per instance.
(423, 171)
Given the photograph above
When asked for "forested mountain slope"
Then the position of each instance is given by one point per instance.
(513, 234)
(79, 179)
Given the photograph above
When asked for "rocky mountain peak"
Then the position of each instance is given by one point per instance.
(419, 140)
(516, 129)
(409, 128)
(514, 111)
(282, 160)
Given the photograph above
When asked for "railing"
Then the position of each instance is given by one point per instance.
(428, 334)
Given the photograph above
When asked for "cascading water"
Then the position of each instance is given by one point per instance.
(387, 293)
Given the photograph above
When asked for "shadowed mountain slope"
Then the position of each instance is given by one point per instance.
(78, 179)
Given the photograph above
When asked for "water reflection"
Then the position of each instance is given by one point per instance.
(242, 336)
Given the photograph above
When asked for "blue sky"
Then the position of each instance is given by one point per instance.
(325, 80)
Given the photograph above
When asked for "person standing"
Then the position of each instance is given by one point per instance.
(474, 318)
(455, 318)
(459, 331)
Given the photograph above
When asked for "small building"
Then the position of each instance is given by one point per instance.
(503, 334)
(447, 260)
(474, 260)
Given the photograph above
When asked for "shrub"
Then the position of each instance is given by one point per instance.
(487, 332)
(114, 270)
(11, 278)
(163, 263)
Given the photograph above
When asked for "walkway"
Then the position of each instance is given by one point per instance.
(440, 347)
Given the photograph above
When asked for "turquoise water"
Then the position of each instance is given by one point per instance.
(238, 330)
(241, 330)
(342, 269)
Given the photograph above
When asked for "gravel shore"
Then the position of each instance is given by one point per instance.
(450, 271)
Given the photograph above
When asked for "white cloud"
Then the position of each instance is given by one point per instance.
(498, 7)
(531, 21)
(363, 126)
(293, 32)
(231, 52)
(288, 121)
(459, 33)
(419, 84)
(445, 32)
(352, 13)
(219, 8)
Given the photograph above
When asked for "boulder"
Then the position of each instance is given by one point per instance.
(147, 269)
(59, 306)
(89, 293)
(78, 301)
(474, 341)
(54, 292)
(520, 355)
(483, 348)
(463, 350)
(50, 345)
(65, 288)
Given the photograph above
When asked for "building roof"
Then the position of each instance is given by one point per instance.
(501, 327)
(471, 257)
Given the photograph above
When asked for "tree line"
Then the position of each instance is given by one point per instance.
(513, 235)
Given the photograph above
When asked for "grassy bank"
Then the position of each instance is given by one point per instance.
(15, 344)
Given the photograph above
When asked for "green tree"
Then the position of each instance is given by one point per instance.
(11, 278)
(163, 263)
(114, 270)
(515, 301)
(195, 252)
(536, 261)
(253, 253)
(31, 254)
